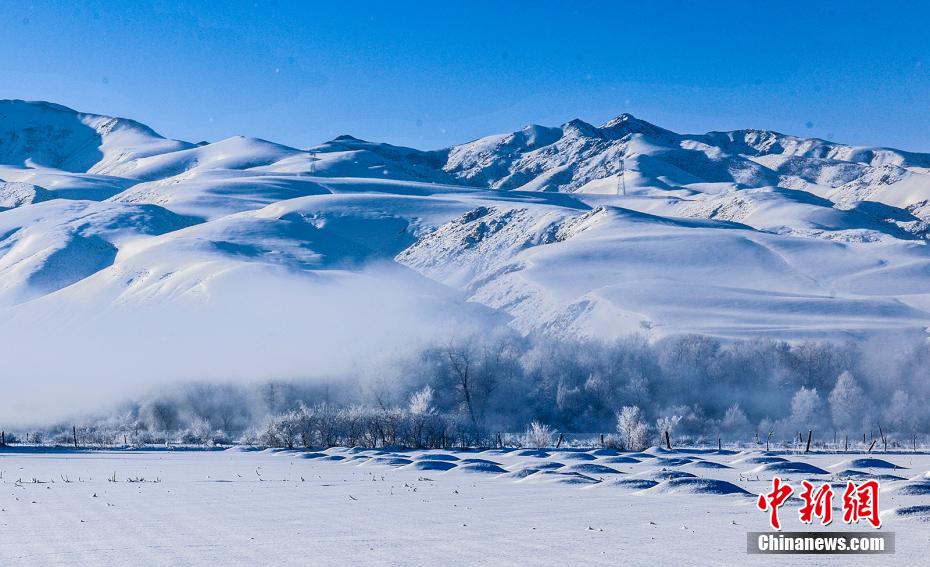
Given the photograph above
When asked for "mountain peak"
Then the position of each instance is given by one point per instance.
(622, 119)
(627, 123)
(581, 127)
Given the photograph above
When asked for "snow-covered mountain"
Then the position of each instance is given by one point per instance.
(575, 230)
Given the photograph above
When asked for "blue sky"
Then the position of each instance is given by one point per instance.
(434, 74)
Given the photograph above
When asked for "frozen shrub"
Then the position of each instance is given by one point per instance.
(199, 432)
(613, 442)
(537, 436)
(666, 425)
(220, 438)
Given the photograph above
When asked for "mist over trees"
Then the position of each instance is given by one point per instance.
(485, 390)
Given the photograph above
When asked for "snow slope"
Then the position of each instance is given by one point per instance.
(736, 234)
(42, 134)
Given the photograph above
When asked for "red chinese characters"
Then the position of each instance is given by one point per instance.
(774, 500)
(816, 504)
(861, 503)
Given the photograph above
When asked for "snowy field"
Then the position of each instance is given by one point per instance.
(353, 506)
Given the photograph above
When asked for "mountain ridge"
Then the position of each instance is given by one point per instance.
(575, 230)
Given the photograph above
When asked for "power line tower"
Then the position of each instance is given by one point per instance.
(312, 162)
(621, 185)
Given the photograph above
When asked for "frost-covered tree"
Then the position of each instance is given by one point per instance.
(538, 436)
(903, 413)
(847, 403)
(735, 423)
(421, 402)
(806, 409)
(306, 425)
(632, 428)
(421, 413)
(159, 415)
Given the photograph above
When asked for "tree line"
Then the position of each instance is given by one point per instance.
(488, 390)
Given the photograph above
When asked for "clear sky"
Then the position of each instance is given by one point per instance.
(433, 74)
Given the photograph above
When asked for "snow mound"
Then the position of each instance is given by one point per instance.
(696, 486)
(436, 457)
(520, 474)
(621, 459)
(632, 483)
(503, 451)
(478, 461)
(668, 475)
(709, 465)
(866, 463)
(912, 488)
(430, 465)
(390, 461)
(656, 450)
(605, 452)
(763, 460)
(482, 467)
(675, 462)
(564, 477)
(534, 453)
(858, 475)
(591, 469)
(789, 467)
(919, 512)
(577, 456)
(543, 465)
